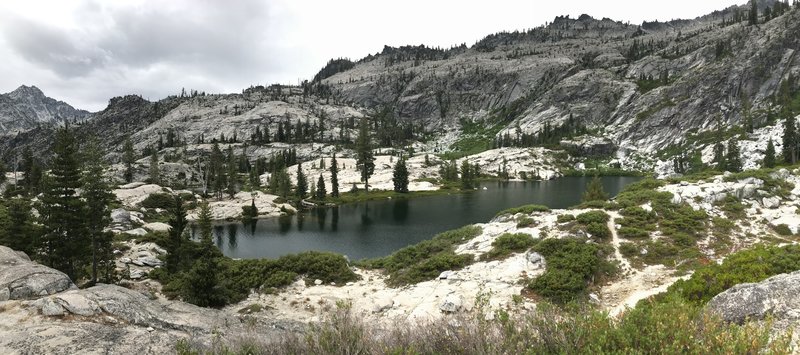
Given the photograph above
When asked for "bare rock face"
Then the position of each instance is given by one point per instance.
(21, 279)
(778, 297)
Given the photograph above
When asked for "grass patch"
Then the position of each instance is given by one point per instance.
(507, 244)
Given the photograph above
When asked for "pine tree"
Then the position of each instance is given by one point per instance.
(365, 161)
(155, 172)
(201, 283)
(467, 180)
(733, 161)
(753, 16)
(594, 191)
(790, 141)
(301, 190)
(128, 158)
(769, 155)
(232, 172)
(334, 177)
(175, 241)
(204, 221)
(217, 173)
(400, 176)
(321, 189)
(19, 233)
(719, 157)
(98, 196)
(65, 244)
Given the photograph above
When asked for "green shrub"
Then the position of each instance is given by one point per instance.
(633, 233)
(587, 218)
(571, 263)
(430, 268)
(782, 229)
(628, 250)
(751, 265)
(507, 244)
(401, 261)
(524, 222)
(598, 230)
(733, 207)
(159, 200)
(527, 209)
(565, 218)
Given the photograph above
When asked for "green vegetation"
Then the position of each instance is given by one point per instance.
(670, 327)
(783, 230)
(751, 265)
(565, 218)
(159, 200)
(524, 222)
(527, 209)
(476, 137)
(507, 244)
(571, 264)
(641, 116)
(426, 260)
(595, 223)
(594, 191)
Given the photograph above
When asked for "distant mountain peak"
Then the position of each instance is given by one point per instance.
(25, 90)
(28, 107)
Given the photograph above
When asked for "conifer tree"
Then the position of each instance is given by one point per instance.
(400, 176)
(594, 191)
(467, 179)
(790, 141)
(63, 212)
(128, 158)
(232, 172)
(321, 189)
(174, 243)
(365, 161)
(19, 233)
(155, 172)
(201, 284)
(98, 196)
(753, 16)
(733, 160)
(301, 190)
(334, 177)
(769, 155)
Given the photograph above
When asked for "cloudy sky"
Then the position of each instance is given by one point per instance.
(87, 51)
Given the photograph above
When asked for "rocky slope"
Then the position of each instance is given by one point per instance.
(27, 107)
(597, 71)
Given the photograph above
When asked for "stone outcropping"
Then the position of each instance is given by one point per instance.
(777, 297)
(21, 279)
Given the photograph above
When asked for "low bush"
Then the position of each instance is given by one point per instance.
(782, 229)
(670, 327)
(633, 233)
(403, 260)
(628, 250)
(527, 209)
(751, 265)
(524, 222)
(587, 218)
(598, 230)
(733, 207)
(565, 218)
(571, 263)
(507, 244)
(430, 268)
(159, 200)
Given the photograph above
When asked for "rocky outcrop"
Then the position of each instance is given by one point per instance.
(28, 107)
(21, 279)
(588, 146)
(776, 298)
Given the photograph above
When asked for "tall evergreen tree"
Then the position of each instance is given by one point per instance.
(334, 177)
(719, 157)
(128, 158)
(32, 172)
(232, 173)
(98, 196)
(790, 140)
(400, 176)
(467, 178)
(201, 283)
(594, 191)
(301, 190)
(19, 232)
(752, 19)
(365, 161)
(155, 171)
(63, 212)
(733, 161)
(175, 240)
(321, 189)
(769, 155)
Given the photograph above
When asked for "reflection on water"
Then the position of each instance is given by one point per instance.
(377, 228)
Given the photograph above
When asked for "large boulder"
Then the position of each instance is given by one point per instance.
(777, 297)
(21, 279)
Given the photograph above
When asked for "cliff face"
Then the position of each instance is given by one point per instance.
(27, 107)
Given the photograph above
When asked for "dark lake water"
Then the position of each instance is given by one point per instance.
(378, 228)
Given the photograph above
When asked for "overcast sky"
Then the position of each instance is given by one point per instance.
(85, 52)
